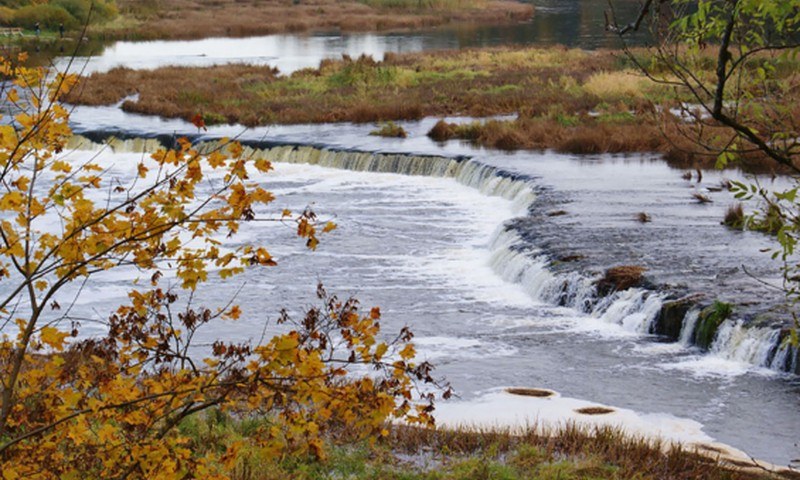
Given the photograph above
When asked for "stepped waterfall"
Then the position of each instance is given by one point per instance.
(642, 311)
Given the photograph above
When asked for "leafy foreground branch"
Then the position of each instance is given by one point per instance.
(736, 61)
(109, 407)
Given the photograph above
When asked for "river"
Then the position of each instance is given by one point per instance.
(457, 242)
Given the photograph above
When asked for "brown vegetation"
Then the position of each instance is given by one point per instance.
(701, 198)
(570, 101)
(390, 130)
(734, 217)
(594, 410)
(630, 457)
(402, 87)
(621, 278)
(530, 392)
(185, 19)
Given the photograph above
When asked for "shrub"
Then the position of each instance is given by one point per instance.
(79, 10)
(48, 16)
(442, 131)
(6, 16)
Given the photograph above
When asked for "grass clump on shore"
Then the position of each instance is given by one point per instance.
(390, 130)
(417, 454)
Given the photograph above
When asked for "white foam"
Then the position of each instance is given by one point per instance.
(714, 366)
(453, 348)
(501, 409)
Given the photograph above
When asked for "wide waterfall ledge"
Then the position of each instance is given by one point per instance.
(637, 311)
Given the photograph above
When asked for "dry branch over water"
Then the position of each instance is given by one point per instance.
(572, 101)
(184, 19)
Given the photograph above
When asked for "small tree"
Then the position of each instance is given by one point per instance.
(734, 65)
(107, 407)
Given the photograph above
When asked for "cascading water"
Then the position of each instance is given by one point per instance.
(635, 310)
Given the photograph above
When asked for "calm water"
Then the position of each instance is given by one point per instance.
(574, 23)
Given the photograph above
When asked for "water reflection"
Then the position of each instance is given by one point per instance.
(574, 23)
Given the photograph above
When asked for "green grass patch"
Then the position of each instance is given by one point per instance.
(709, 321)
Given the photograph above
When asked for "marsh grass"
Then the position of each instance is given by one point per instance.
(567, 100)
(408, 453)
(390, 130)
(734, 217)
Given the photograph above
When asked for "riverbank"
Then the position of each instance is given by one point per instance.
(567, 100)
(409, 453)
(193, 19)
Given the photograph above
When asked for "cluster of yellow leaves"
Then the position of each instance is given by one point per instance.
(109, 407)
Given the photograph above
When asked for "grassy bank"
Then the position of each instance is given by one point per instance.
(189, 19)
(415, 454)
(571, 101)
(469, 82)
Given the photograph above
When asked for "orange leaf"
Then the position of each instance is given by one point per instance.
(198, 122)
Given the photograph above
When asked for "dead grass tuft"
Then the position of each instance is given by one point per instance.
(531, 392)
(612, 86)
(734, 217)
(621, 278)
(701, 198)
(595, 410)
(442, 131)
(390, 130)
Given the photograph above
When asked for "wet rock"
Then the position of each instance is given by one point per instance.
(670, 320)
(709, 321)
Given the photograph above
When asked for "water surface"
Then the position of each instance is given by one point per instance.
(573, 23)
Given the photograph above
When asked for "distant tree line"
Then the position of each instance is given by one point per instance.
(54, 14)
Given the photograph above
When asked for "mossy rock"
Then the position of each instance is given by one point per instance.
(670, 320)
(709, 321)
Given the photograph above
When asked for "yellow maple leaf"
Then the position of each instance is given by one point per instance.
(53, 337)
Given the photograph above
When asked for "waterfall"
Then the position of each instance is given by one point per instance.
(515, 260)
(688, 327)
(756, 346)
